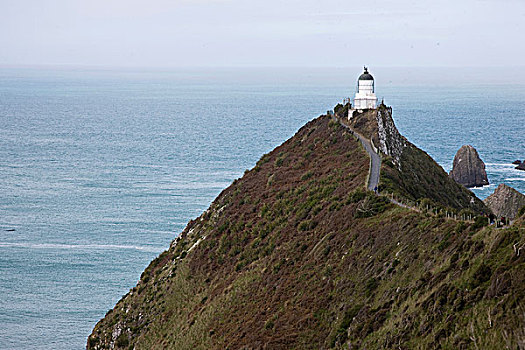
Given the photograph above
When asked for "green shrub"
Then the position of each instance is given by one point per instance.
(371, 205)
(264, 159)
(341, 110)
(482, 274)
(264, 210)
(307, 175)
(445, 242)
(92, 341)
(521, 211)
(342, 331)
(388, 163)
(307, 225)
(355, 196)
(122, 340)
(279, 161)
(461, 226)
(370, 286)
(480, 222)
(239, 266)
(269, 324)
(223, 227)
(269, 182)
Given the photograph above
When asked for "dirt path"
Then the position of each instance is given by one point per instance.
(375, 168)
(375, 159)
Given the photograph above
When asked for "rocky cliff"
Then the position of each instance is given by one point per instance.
(378, 125)
(391, 142)
(505, 201)
(468, 169)
(297, 255)
(406, 171)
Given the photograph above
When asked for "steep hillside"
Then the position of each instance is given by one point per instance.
(409, 172)
(420, 177)
(296, 255)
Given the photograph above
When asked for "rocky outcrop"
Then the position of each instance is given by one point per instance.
(505, 201)
(390, 140)
(378, 126)
(520, 164)
(468, 168)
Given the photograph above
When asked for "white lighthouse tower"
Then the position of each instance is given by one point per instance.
(365, 97)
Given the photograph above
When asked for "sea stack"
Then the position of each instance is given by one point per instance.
(505, 201)
(468, 168)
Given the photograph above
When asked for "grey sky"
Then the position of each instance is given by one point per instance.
(161, 33)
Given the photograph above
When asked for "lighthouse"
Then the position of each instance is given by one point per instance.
(365, 97)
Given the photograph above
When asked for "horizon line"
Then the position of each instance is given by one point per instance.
(191, 67)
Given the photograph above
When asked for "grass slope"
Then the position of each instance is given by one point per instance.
(420, 178)
(295, 255)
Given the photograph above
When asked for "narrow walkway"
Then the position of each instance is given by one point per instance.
(375, 159)
(375, 167)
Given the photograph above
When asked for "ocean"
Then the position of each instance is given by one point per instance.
(101, 169)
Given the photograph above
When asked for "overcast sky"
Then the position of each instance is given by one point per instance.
(328, 33)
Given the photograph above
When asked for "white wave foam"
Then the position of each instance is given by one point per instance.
(501, 169)
(515, 179)
(482, 187)
(507, 165)
(81, 246)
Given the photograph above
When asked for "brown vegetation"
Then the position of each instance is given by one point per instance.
(296, 255)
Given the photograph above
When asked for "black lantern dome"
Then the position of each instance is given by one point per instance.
(366, 75)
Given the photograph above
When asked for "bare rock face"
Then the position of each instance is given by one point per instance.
(505, 201)
(468, 168)
(390, 140)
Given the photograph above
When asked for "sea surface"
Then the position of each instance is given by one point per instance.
(101, 169)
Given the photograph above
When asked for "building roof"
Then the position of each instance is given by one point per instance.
(366, 75)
